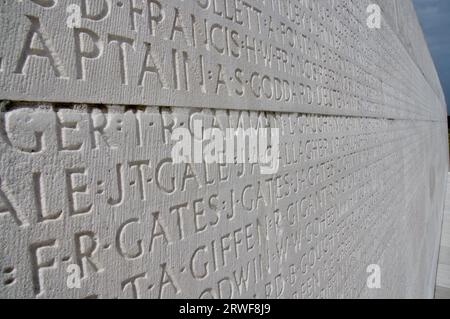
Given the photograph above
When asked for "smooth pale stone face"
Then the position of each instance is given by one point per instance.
(93, 203)
(298, 56)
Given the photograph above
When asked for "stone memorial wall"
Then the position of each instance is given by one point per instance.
(93, 203)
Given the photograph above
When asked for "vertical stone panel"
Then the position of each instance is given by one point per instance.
(94, 204)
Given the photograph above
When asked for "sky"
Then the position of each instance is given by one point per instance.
(434, 16)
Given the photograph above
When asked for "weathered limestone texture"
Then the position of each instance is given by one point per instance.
(92, 91)
(443, 272)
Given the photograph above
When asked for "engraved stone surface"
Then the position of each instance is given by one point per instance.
(92, 91)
